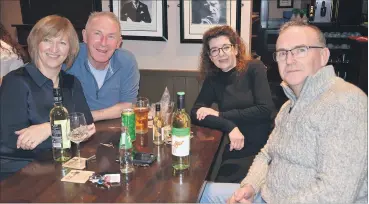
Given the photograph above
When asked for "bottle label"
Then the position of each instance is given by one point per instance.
(181, 131)
(125, 141)
(180, 141)
(59, 131)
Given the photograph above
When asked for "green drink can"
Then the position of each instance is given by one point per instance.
(129, 121)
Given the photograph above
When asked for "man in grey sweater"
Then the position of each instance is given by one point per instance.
(317, 152)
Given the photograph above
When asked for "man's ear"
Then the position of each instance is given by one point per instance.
(84, 35)
(120, 42)
(324, 54)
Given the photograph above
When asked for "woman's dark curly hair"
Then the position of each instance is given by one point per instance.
(16, 47)
(207, 67)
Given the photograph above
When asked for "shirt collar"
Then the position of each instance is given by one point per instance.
(135, 5)
(313, 85)
(36, 75)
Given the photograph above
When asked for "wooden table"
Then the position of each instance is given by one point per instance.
(40, 181)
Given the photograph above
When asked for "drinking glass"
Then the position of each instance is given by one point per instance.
(141, 109)
(78, 130)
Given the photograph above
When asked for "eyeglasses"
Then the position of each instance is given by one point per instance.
(297, 52)
(215, 51)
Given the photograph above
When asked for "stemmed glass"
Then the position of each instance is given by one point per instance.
(78, 130)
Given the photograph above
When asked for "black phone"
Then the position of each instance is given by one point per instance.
(142, 158)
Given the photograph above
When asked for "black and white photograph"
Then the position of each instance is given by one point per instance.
(285, 4)
(209, 12)
(142, 19)
(197, 16)
(135, 11)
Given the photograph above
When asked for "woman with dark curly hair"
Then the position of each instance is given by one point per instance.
(239, 86)
(12, 55)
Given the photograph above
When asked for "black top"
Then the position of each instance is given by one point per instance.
(26, 98)
(244, 101)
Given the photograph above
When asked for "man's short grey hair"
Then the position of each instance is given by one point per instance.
(290, 24)
(108, 14)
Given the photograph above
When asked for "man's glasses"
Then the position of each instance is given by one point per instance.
(215, 51)
(297, 52)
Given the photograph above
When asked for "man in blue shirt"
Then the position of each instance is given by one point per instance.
(108, 74)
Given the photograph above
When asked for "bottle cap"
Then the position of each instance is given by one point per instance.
(181, 93)
(157, 106)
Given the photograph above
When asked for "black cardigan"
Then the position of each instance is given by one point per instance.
(244, 101)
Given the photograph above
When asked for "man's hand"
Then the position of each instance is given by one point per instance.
(243, 195)
(236, 138)
(110, 113)
(203, 112)
(32, 136)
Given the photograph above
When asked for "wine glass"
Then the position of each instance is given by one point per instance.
(78, 130)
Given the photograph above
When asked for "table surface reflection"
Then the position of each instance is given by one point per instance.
(40, 181)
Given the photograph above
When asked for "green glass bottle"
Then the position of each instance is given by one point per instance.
(125, 152)
(181, 135)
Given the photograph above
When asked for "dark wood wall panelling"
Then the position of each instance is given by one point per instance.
(153, 83)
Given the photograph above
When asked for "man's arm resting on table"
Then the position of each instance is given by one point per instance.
(111, 112)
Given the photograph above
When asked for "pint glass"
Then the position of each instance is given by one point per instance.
(142, 113)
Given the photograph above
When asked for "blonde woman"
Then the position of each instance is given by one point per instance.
(26, 95)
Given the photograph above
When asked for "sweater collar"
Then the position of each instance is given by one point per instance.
(313, 85)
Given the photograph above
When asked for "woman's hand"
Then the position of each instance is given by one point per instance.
(237, 139)
(29, 138)
(90, 131)
(203, 112)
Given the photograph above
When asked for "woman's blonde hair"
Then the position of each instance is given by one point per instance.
(50, 27)
(207, 67)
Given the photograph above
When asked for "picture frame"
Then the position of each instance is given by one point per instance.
(142, 19)
(284, 3)
(198, 16)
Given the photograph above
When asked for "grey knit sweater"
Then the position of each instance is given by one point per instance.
(317, 152)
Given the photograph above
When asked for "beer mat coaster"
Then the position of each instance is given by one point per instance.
(75, 163)
(77, 176)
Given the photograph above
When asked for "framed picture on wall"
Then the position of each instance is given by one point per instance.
(197, 16)
(142, 19)
(284, 3)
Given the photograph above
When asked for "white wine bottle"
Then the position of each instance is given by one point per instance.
(61, 145)
(181, 135)
(157, 128)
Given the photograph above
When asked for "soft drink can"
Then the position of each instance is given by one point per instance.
(129, 121)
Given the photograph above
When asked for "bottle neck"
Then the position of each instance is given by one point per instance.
(58, 103)
(180, 104)
(158, 113)
(58, 99)
(124, 129)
